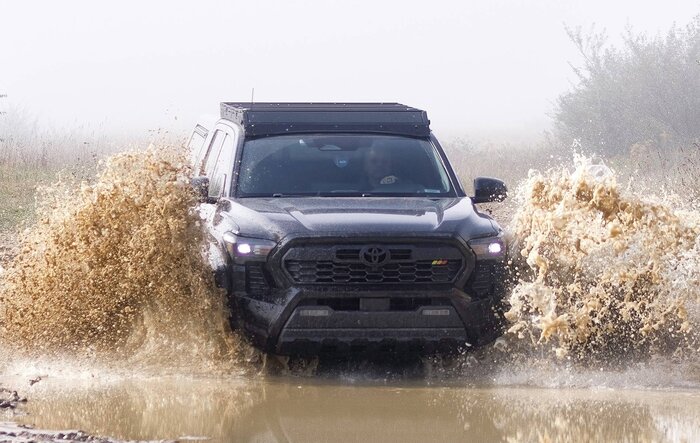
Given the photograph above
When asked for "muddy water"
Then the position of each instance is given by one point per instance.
(603, 274)
(110, 302)
(308, 410)
(113, 271)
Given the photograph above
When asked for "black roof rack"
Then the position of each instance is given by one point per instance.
(263, 119)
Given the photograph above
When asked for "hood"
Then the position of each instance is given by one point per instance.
(276, 218)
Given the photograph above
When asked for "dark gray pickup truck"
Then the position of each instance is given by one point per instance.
(342, 227)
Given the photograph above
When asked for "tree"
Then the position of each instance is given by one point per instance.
(645, 92)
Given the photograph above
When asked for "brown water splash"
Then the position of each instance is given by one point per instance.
(604, 273)
(114, 270)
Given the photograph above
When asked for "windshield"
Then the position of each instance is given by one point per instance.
(341, 165)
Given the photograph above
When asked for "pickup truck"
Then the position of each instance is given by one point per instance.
(342, 227)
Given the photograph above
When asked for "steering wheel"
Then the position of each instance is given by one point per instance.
(396, 185)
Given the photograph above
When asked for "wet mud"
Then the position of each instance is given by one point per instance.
(284, 409)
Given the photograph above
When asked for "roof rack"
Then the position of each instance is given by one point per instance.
(264, 119)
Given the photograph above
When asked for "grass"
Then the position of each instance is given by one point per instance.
(18, 187)
(510, 163)
(31, 156)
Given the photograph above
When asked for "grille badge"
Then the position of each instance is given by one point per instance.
(374, 255)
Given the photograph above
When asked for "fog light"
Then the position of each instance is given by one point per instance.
(495, 248)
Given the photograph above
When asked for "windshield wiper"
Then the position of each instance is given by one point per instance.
(278, 195)
(345, 194)
(282, 195)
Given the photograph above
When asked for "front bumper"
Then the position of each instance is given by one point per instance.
(287, 317)
(447, 321)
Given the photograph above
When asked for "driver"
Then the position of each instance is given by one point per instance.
(379, 168)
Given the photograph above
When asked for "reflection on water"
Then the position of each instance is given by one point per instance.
(300, 410)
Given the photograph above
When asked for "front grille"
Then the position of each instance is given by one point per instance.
(401, 264)
(421, 271)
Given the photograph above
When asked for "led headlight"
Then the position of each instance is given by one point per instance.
(243, 249)
(488, 247)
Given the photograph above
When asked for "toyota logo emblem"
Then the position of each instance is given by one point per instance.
(374, 255)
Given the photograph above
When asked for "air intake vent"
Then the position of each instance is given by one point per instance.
(481, 283)
(255, 280)
(394, 303)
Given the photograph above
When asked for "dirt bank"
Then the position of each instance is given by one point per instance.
(14, 433)
(12, 403)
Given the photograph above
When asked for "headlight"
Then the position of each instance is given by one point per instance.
(242, 249)
(488, 247)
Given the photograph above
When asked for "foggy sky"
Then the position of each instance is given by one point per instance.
(485, 68)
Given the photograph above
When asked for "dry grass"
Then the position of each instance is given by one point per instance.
(26, 142)
(507, 162)
(18, 186)
(31, 157)
(672, 171)
(646, 168)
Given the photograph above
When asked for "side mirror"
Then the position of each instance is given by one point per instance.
(201, 188)
(487, 189)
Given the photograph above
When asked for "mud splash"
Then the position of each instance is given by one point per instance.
(113, 271)
(603, 274)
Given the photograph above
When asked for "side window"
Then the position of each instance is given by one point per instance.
(213, 152)
(223, 168)
(196, 148)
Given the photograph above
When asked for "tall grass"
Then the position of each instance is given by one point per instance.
(644, 167)
(506, 161)
(17, 188)
(32, 155)
(662, 171)
(26, 142)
